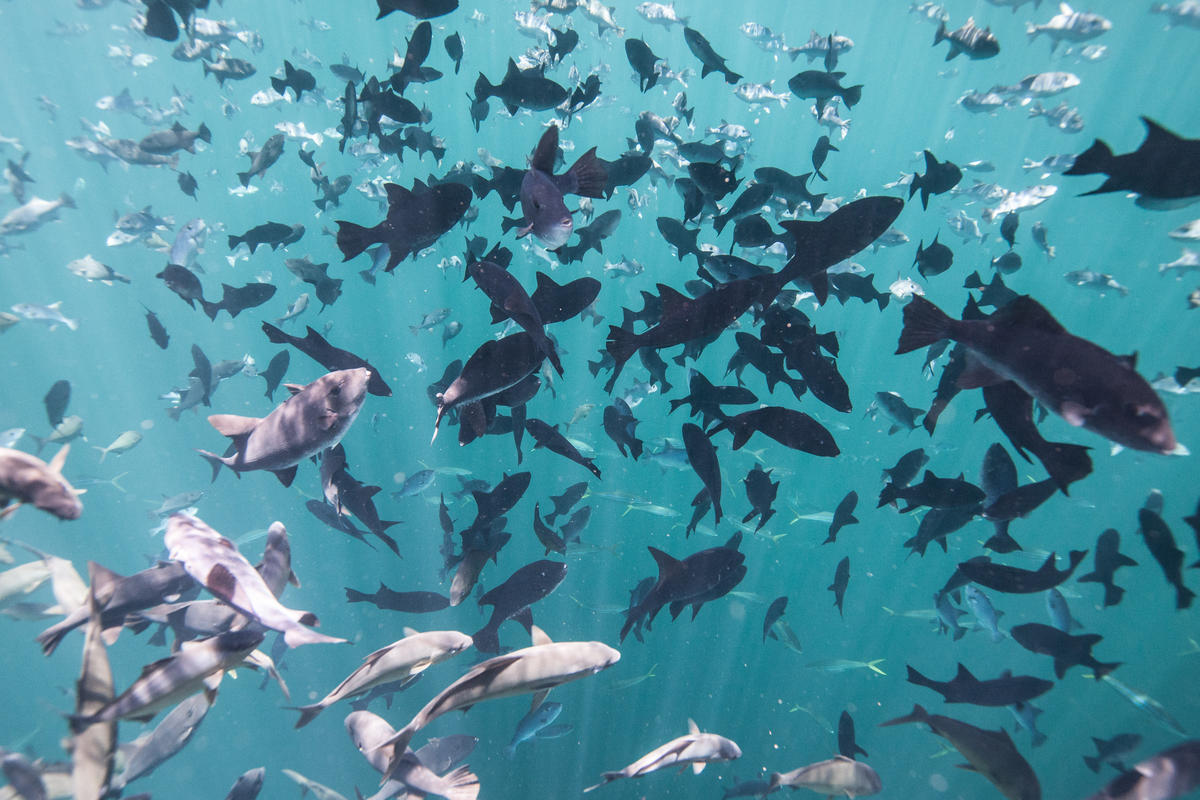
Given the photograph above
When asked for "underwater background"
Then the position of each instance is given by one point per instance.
(715, 669)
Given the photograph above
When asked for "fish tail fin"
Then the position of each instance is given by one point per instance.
(1183, 598)
(355, 596)
(486, 639)
(483, 88)
(1065, 463)
(215, 460)
(66, 200)
(203, 133)
(590, 175)
(852, 94)
(924, 324)
(621, 345)
(211, 309)
(308, 713)
(720, 221)
(461, 784)
(352, 239)
(940, 35)
(890, 494)
(607, 777)
(244, 177)
(1097, 158)
(234, 241)
(918, 714)
(103, 452)
(1031, 30)
(1093, 763)
(1102, 669)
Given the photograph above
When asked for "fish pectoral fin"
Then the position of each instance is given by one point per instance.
(286, 476)
(293, 388)
(538, 698)
(232, 425)
(1074, 413)
(221, 583)
(211, 683)
(698, 767)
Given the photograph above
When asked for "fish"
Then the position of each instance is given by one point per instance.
(298, 80)
(176, 138)
(822, 86)
(709, 60)
(966, 688)
(643, 60)
(235, 300)
(1067, 650)
(841, 577)
(838, 775)
(454, 48)
(169, 737)
(401, 660)
(226, 68)
(25, 478)
(421, 9)
(620, 425)
(538, 723)
(51, 315)
(519, 88)
(33, 214)
(407, 602)
(314, 418)
(992, 754)
(1069, 25)
(939, 178)
(702, 455)
(761, 493)
(1108, 559)
(1108, 396)
(1164, 171)
(535, 669)
(793, 429)
(703, 576)
(1161, 544)
(843, 515)
(90, 269)
(974, 42)
(248, 784)
(416, 218)
(331, 358)
(410, 771)
(847, 746)
(262, 159)
(547, 436)
(696, 748)
(1147, 704)
(183, 282)
(1014, 580)
(122, 444)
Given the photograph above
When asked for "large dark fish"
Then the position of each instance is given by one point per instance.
(56, 401)
(528, 88)
(1012, 410)
(1164, 170)
(235, 300)
(1014, 580)
(1067, 651)
(261, 160)
(494, 367)
(298, 80)
(934, 492)
(966, 688)
(621, 427)
(814, 84)
(331, 358)
(939, 178)
(847, 745)
(270, 233)
(183, 282)
(843, 515)
(157, 331)
(412, 71)
(706, 400)
(1108, 559)
(710, 61)
(841, 578)
(1161, 544)
(421, 9)
(510, 301)
(702, 455)
(1021, 342)
(761, 492)
(790, 428)
(416, 219)
(643, 61)
(512, 599)
(541, 193)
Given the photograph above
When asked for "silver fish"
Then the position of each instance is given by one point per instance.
(695, 748)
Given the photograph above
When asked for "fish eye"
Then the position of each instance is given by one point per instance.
(336, 390)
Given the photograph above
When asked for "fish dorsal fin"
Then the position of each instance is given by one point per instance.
(1157, 135)
(1065, 8)
(964, 673)
(232, 425)
(547, 283)
(693, 728)
(396, 193)
(1129, 360)
(667, 565)
(1026, 311)
(547, 149)
(408, 631)
(293, 388)
(512, 71)
(539, 636)
(930, 161)
(60, 458)
(670, 298)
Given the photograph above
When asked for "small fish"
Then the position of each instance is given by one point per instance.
(122, 444)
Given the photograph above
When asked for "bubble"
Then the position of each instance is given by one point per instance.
(146, 424)
(939, 782)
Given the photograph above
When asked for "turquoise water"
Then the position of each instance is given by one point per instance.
(715, 669)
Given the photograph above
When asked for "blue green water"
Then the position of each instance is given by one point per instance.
(715, 669)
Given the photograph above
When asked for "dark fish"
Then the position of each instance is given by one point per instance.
(710, 61)
(749, 201)
(847, 745)
(547, 436)
(1014, 580)
(1012, 410)
(768, 362)
(345, 72)
(412, 69)
(1109, 750)
(843, 515)
(683, 319)
(261, 160)
(157, 332)
(621, 427)
(591, 237)
(761, 493)
(275, 371)
(160, 22)
(992, 294)
(332, 358)
(1108, 559)
(407, 602)
(841, 577)
(992, 754)
(907, 467)
(998, 477)
(821, 151)
(298, 80)
(966, 688)
(1067, 651)
(774, 614)
(643, 61)
(188, 185)
(702, 455)
(682, 238)
(1008, 227)
(792, 188)
(333, 518)
(939, 178)
(1023, 343)
(1161, 544)
(1163, 170)
(56, 401)
(564, 502)
(176, 138)
(754, 231)
(565, 42)
(625, 171)
(1007, 263)
(495, 366)
(974, 42)
(272, 233)
(349, 115)
(813, 84)
(541, 192)
(933, 260)
(235, 300)
(416, 219)
(454, 48)
(512, 599)
(1172, 773)
(790, 428)
(229, 69)
(522, 89)
(548, 538)
(850, 284)
(713, 179)
(421, 9)
(202, 371)
(357, 498)
(937, 524)
(510, 301)
(183, 282)
(1019, 502)
(706, 400)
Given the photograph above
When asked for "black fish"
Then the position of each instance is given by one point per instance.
(188, 185)
(843, 515)
(683, 319)
(183, 282)
(976, 43)
(421, 9)
(495, 366)
(966, 688)
(510, 301)
(1014, 580)
(820, 373)
(841, 577)
(1164, 168)
(790, 428)
(706, 400)
(298, 80)
(846, 285)
(1019, 502)
(774, 614)
(822, 149)
(1008, 227)
(56, 401)
(160, 22)
(768, 362)
(549, 539)
(512, 599)
(813, 84)
(992, 294)
(761, 493)
(625, 171)
(235, 300)
(1067, 650)
(656, 367)
(275, 371)
(332, 358)
(713, 179)
(454, 49)
(939, 178)
(643, 61)
(847, 745)
(584, 95)
(545, 212)
(907, 467)
(412, 71)
(749, 201)
(564, 502)
(933, 260)
(565, 42)
(1161, 544)
(157, 332)
(336, 520)
(261, 160)
(620, 425)
(792, 188)
(753, 230)
(1012, 410)
(272, 233)
(710, 61)
(702, 455)
(416, 219)
(937, 524)
(522, 89)
(349, 115)
(591, 237)
(548, 437)
(1108, 750)
(997, 478)
(1007, 263)
(1108, 559)
(501, 498)
(571, 529)
(407, 602)
(1023, 343)
(681, 237)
